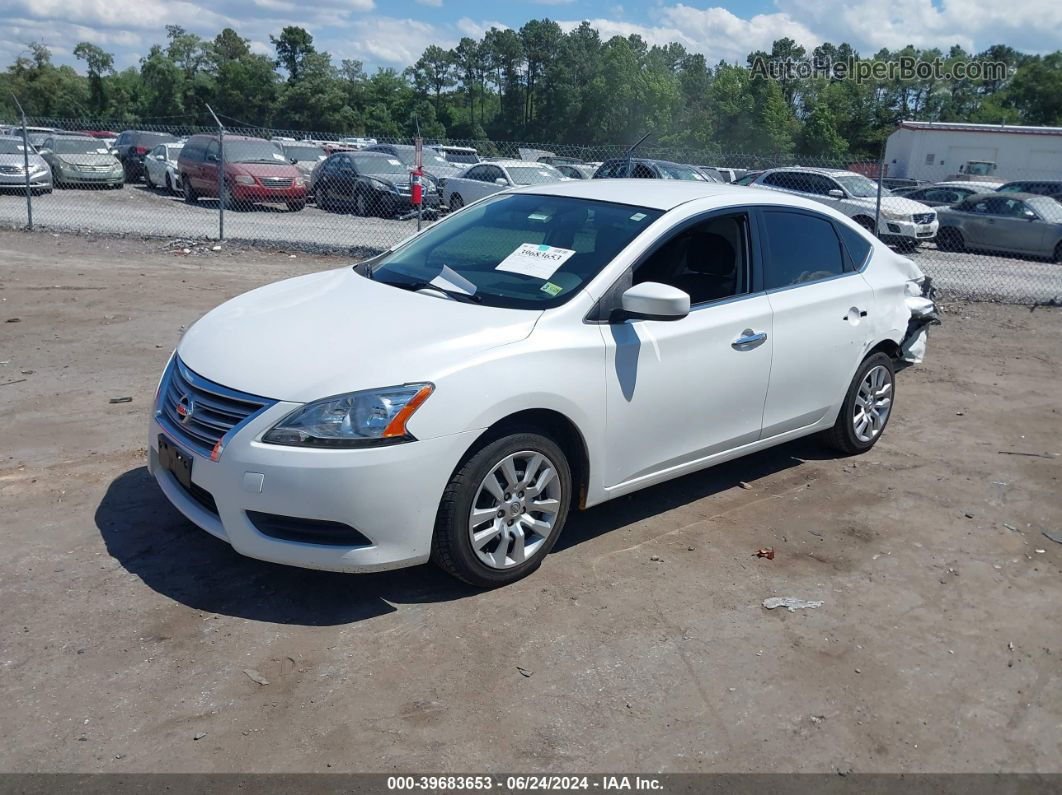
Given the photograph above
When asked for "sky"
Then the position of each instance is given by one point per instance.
(394, 32)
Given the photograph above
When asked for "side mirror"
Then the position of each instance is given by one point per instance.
(294, 160)
(1029, 215)
(213, 159)
(655, 301)
(502, 181)
(836, 194)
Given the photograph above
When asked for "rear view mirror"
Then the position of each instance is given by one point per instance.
(836, 194)
(655, 301)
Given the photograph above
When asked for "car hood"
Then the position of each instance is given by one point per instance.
(336, 331)
(18, 160)
(895, 204)
(284, 169)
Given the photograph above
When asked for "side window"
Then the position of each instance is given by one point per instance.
(49, 143)
(493, 173)
(212, 149)
(820, 185)
(803, 248)
(709, 261)
(642, 171)
(476, 173)
(857, 246)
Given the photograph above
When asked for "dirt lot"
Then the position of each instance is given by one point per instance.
(126, 630)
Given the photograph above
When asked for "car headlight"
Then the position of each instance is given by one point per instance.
(895, 215)
(244, 179)
(298, 182)
(37, 168)
(379, 184)
(368, 418)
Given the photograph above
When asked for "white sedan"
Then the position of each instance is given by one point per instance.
(542, 351)
(160, 167)
(485, 179)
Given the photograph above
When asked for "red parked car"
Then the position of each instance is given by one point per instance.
(256, 171)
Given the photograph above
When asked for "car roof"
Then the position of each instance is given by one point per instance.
(1033, 182)
(830, 172)
(79, 138)
(666, 194)
(510, 162)
(958, 183)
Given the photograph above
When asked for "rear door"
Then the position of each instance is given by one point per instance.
(821, 306)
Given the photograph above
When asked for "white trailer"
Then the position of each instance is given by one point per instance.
(937, 151)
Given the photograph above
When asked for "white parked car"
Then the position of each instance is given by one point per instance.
(544, 350)
(904, 222)
(485, 179)
(160, 167)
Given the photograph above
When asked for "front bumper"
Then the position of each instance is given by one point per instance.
(907, 230)
(91, 177)
(39, 181)
(388, 494)
(260, 193)
(401, 203)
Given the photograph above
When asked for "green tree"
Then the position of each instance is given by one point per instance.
(293, 46)
(99, 63)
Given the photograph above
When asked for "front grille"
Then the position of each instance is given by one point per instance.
(207, 412)
(307, 531)
(11, 170)
(95, 169)
(276, 182)
(925, 218)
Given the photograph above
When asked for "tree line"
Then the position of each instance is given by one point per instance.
(537, 83)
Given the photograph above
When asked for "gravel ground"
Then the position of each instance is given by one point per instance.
(641, 644)
(152, 213)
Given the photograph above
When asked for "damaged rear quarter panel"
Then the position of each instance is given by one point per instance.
(888, 274)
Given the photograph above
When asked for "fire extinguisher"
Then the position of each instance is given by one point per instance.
(417, 188)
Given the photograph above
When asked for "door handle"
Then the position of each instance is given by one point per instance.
(862, 313)
(748, 339)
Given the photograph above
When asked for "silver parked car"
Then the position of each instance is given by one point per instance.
(13, 167)
(487, 178)
(304, 155)
(81, 160)
(160, 167)
(1014, 223)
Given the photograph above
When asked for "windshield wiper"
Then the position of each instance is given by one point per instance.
(423, 285)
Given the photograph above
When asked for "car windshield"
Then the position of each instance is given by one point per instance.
(1047, 208)
(859, 186)
(675, 171)
(253, 152)
(79, 146)
(461, 157)
(380, 164)
(519, 251)
(304, 152)
(534, 175)
(11, 147)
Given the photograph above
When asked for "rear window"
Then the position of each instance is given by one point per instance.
(150, 139)
(858, 247)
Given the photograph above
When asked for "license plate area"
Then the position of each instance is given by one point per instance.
(925, 229)
(176, 461)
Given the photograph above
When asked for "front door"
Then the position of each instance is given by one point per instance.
(681, 391)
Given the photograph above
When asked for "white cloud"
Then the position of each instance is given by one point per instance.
(388, 40)
(475, 30)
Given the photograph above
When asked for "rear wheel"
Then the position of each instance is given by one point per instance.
(190, 196)
(867, 407)
(361, 204)
(503, 510)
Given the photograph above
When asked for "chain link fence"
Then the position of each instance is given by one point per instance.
(982, 236)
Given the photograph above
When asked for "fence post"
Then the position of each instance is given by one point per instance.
(25, 166)
(877, 206)
(221, 175)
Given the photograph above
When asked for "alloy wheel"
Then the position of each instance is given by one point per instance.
(515, 509)
(872, 405)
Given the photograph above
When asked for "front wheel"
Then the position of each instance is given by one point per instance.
(503, 510)
(949, 239)
(296, 206)
(456, 202)
(867, 407)
(190, 196)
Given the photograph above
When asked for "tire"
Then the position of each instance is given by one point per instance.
(456, 202)
(190, 196)
(453, 548)
(147, 180)
(949, 239)
(169, 185)
(296, 206)
(119, 186)
(876, 379)
(361, 204)
(1057, 258)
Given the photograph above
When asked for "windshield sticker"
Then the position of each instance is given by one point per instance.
(532, 259)
(394, 162)
(551, 288)
(637, 216)
(450, 280)
(101, 151)
(538, 217)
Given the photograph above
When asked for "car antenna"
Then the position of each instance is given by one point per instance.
(630, 152)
